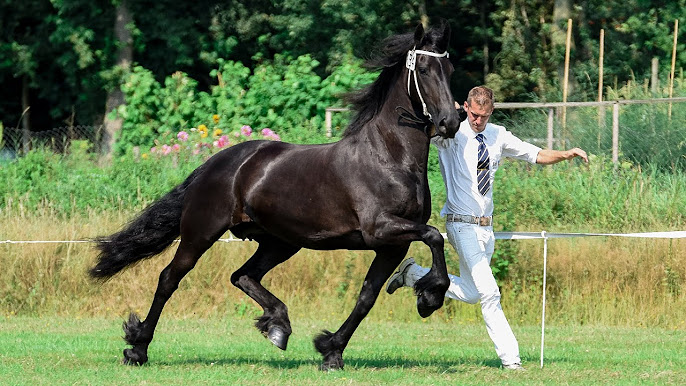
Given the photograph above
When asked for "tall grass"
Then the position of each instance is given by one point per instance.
(593, 197)
(599, 280)
(609, 281)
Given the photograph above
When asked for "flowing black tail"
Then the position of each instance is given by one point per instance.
(145, 236)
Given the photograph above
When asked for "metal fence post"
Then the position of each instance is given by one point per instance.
(551, 113)
(615, 132)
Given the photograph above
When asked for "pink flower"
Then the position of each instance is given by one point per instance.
(182, 136)
(176, 147)
(166, 149)
(270, 134)
(153, 150)
(246, 130)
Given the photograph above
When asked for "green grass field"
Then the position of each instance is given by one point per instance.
(230, 351)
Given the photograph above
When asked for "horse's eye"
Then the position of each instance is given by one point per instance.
(423, 70)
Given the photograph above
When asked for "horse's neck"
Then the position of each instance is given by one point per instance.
(401, 140)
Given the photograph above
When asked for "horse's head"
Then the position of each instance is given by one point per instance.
(428, 82)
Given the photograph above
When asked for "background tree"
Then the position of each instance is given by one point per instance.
(124, 58)
(61, 57)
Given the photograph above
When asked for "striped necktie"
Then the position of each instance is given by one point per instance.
(482, 173)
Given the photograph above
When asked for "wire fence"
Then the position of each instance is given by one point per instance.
(640, 131)
(16, 142)
(645, 131)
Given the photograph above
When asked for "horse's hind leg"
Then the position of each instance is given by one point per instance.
(331, 345)
(139, 334)
(274, 323)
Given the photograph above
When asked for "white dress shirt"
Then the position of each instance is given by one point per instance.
(458, 158)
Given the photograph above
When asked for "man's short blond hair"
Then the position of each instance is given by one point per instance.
(482, 96)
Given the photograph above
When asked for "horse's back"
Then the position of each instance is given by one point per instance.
(268, 186)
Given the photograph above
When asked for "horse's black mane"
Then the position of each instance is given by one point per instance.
(391, 57)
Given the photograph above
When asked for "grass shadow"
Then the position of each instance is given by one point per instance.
(442, 366)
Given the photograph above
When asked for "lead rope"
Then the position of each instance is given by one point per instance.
(410, 63)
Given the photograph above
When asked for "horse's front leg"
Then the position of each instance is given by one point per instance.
(331, 345)
(431, 288)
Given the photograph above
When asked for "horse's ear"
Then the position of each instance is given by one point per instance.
(418, 34)
(444, 40)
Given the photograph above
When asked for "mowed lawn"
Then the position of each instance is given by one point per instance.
(59, 350)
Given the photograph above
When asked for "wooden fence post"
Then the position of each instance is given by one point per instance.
(601, 108)
(565, 82)
(654, 80)
(671, 76)
(327, 119)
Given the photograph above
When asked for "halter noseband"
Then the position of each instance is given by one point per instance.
(410, 63)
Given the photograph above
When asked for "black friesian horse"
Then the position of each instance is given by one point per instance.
(368, 191)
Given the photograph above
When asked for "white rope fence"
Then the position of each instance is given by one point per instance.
(227, 240)
(498, 235)
(545, 236)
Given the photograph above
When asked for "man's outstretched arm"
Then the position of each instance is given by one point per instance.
(548, 157)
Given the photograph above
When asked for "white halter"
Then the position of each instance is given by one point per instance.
(410, 64)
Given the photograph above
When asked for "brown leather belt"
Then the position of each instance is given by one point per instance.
(484, 221)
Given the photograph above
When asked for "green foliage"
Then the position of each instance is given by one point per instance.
(597, 197)
(140, 123)
(283, 95)
(524, 64)
(286, 96)
(65, 50)
(75, 183)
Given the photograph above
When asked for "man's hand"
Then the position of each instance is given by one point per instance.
(576, 152)
(548, 157)
(460, 111)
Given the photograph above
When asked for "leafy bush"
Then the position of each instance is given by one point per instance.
(285, 95)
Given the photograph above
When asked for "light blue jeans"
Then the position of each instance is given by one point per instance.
(474, 244)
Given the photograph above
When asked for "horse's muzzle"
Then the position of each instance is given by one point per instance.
(448, 126)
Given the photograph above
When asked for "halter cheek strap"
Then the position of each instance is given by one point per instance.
(410, 63)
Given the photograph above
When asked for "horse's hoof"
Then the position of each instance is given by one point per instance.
(423, 311)
(278, 337)
(132, 358)
(332, 364)
(424, 306)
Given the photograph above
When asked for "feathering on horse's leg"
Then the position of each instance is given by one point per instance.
(331, 345)
(139, 333)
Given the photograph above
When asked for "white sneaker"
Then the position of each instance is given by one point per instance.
(514, 367)
(397, 280)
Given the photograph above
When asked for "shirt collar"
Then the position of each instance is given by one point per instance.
(471, 134)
